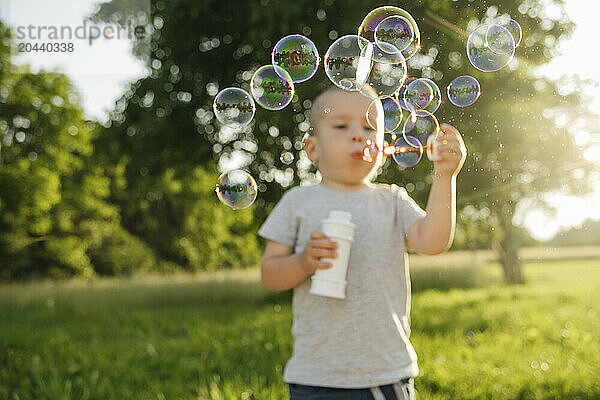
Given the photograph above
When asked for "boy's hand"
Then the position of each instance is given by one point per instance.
(319, 246)
(452, 152)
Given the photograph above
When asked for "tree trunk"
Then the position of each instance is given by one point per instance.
(507, 249)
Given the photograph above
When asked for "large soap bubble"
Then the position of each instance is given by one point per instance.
(298, 55)
(385, 78)
(348, 62)
(408, 151)
(272, 87)
(481, 56)
(236, 189)
(392, 114)
(371, 22)
(422, 97)
(394, 32)
(400, 93)
(420, 127)
(463, 91)
(499, 39)
(515, 30)
(234, 107)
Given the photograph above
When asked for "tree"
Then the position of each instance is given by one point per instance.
(54, 217)
(515, 148)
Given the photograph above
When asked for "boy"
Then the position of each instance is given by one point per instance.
(358, 347)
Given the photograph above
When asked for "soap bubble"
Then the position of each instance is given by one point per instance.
(515, 30)
(392, 114)
(394, 32)
(408, 151)
(420, 127)
(236, 189)
(418, 95)
(234, 107)
(463, 91)
(410, 50)
(348, 62)
(422, 97)
(298, 55)
(385, 78)
(371, 22)
(400, 93)
(272, 87)
(499, 39)
(480, 55)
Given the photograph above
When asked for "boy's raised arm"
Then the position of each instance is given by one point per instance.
(434, 233)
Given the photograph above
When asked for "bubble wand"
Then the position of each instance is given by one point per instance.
(412, 146)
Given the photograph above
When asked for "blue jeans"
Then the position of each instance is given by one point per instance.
(402, 390)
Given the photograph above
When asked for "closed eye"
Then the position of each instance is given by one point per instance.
(339, 126)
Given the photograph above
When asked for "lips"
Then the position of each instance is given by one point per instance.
(357, 155)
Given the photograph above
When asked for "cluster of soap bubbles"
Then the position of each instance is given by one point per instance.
(294, 59)
(492, 46)
(390, 36)
(373, 63)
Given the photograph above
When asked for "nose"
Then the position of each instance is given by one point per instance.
(358, 138)
(358, 135)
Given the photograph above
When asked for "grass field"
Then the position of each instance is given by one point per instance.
(223, 336)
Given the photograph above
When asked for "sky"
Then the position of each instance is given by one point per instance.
(103, 70)
(576, 58)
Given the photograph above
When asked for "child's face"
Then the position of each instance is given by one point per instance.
(340, 134)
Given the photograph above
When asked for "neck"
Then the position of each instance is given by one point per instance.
(347, 187)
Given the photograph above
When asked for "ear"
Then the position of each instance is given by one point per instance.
(311, 148)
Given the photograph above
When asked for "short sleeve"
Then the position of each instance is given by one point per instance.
(280, 224)
(408, 211)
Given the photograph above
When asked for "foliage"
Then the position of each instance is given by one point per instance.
(62, 201)
(515, 148)
(53, 199)
(136, 193)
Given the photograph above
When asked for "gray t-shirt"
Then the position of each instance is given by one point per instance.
(361, 341)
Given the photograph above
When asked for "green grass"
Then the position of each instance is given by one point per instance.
(223, 336)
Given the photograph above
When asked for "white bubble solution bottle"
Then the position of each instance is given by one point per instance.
(332, 282)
